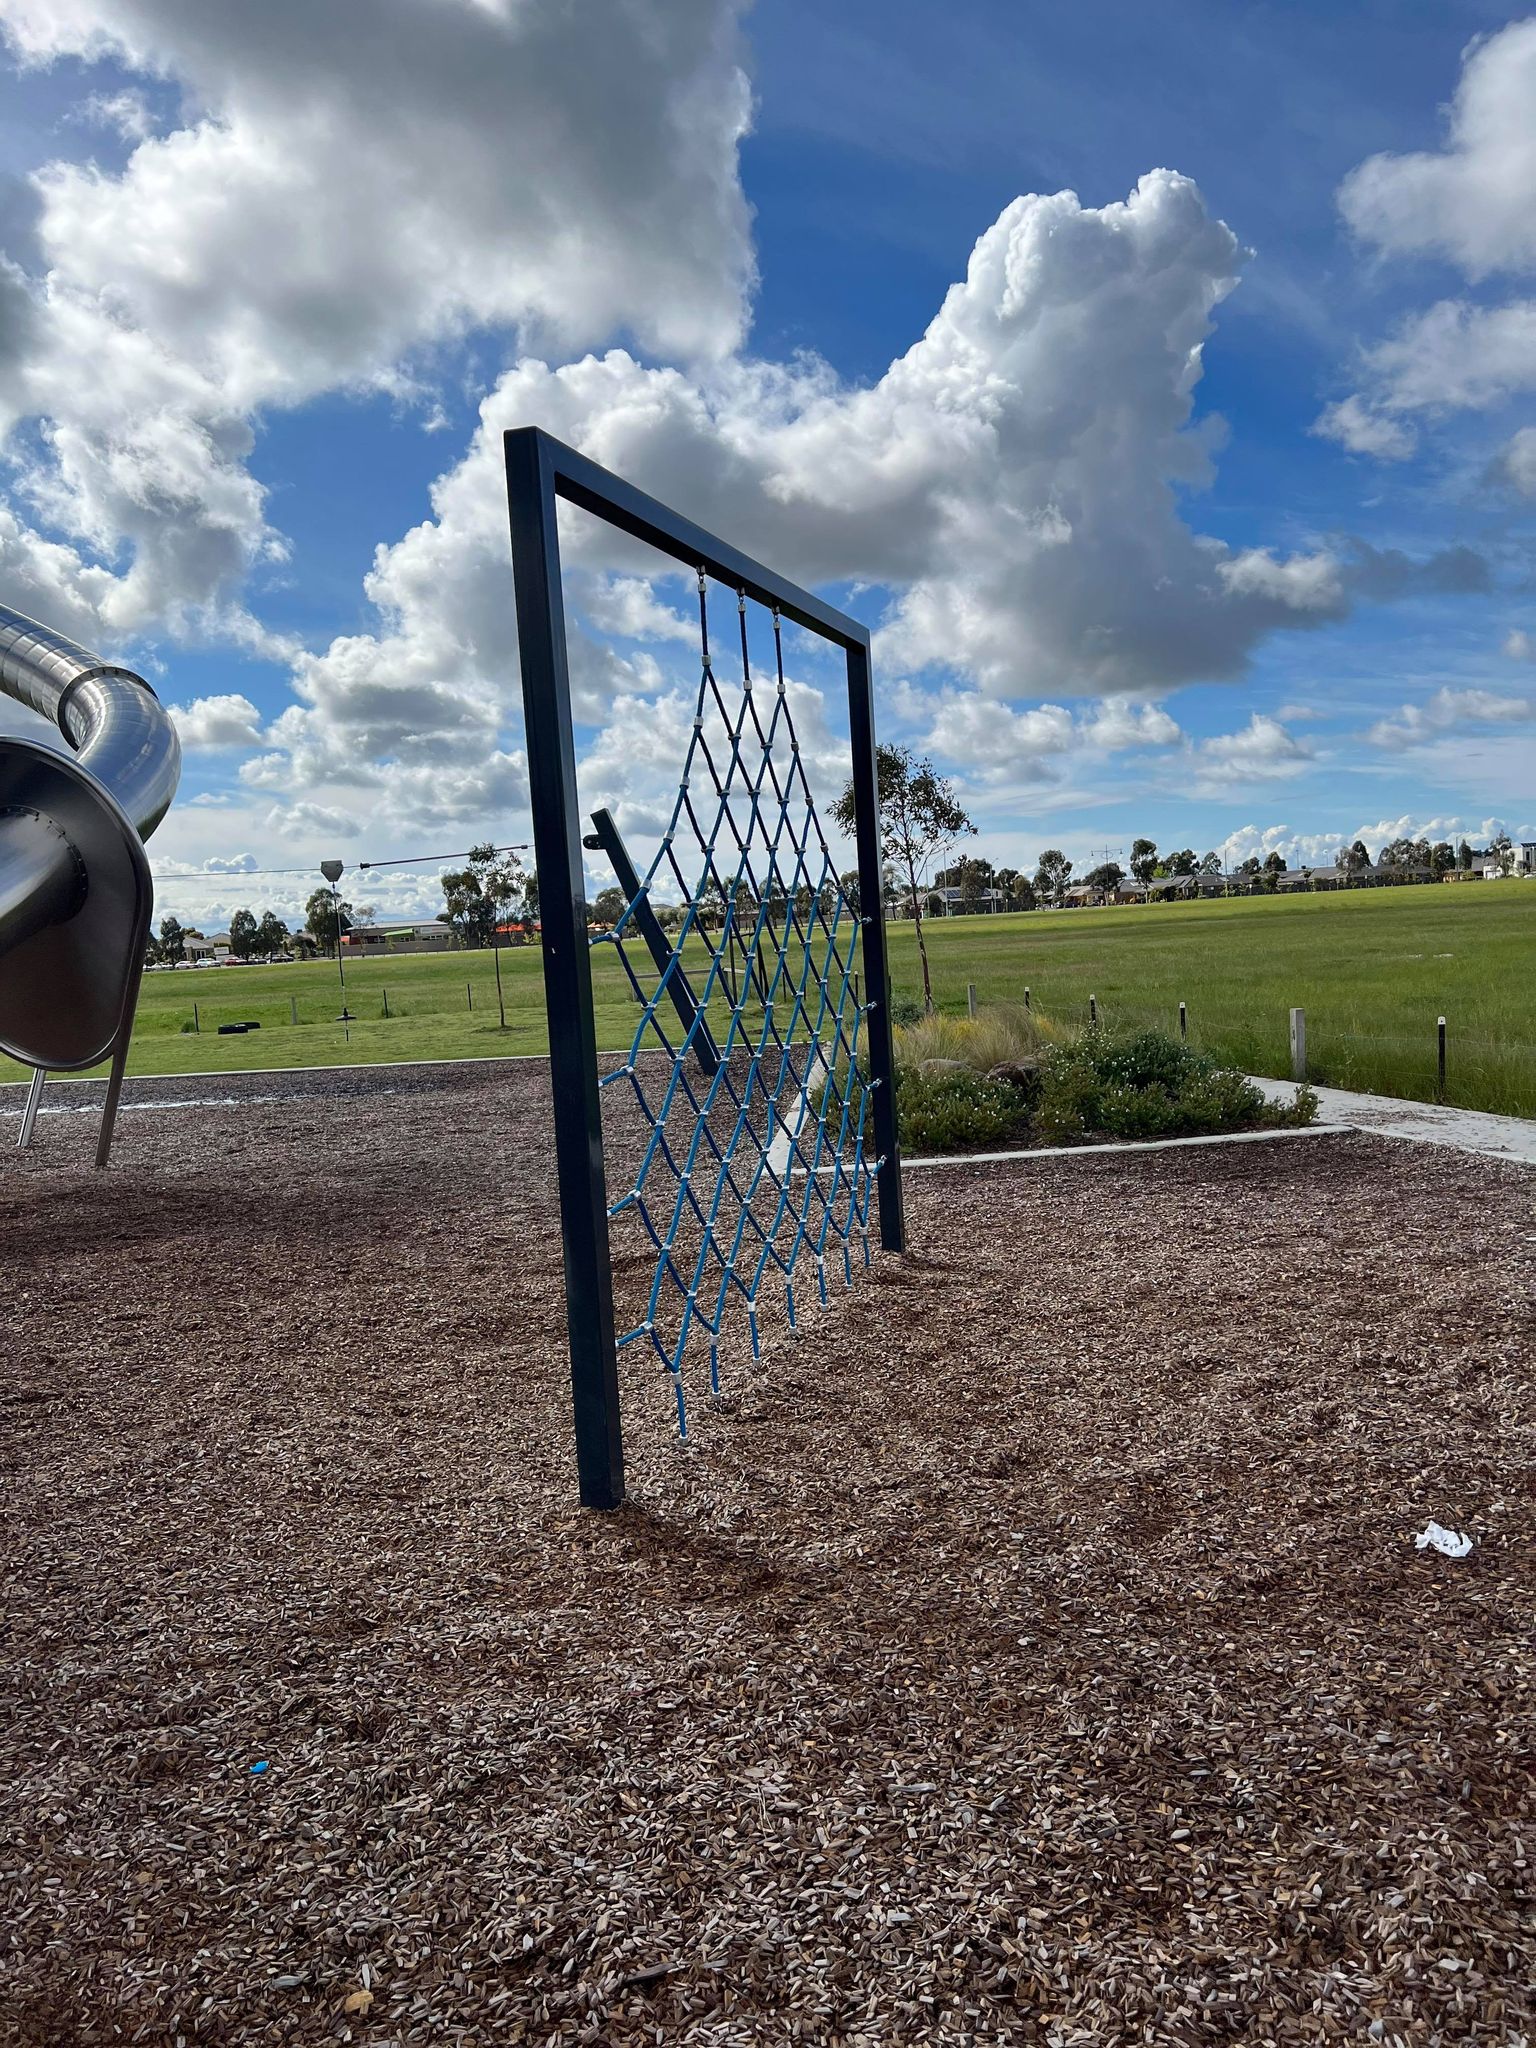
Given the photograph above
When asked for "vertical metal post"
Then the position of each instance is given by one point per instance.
(568, 970)
(114, 1093)
(385, 993)
(1183, 1021)
(29, 1113)
(197, 1022)
(1093, 1013)
(1298, 1045)
(882, 1044)
(293, 1009)
(1026, 999)
(469, 994)
(501, 1001)
(1440, 1083)
(970, 999)
(340, 965)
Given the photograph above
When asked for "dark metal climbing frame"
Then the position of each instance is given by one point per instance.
(831, 1056)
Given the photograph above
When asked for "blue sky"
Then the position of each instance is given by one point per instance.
(1204, 509)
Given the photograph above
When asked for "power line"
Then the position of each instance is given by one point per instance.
(399, 861)
(406, 860)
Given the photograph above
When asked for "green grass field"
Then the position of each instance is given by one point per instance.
(1372, 968)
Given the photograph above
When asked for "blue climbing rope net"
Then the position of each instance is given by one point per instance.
(755, 1172)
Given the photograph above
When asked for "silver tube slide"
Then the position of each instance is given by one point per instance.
(75, 891)
(110, 716)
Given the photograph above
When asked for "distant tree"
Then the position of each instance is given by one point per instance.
(1016, 891)
(1442, 859)
(1354, 861)
(1184, 862)
(1502, 850)
(302, 943)
(920, 819)
(477, 899)
(172, 943)
(1210, 864)
(1463, 860)
(323, 915)
(1108, 877)
(272, 935)
(849, 884)
(1274, 863)
(974, 878)
(1053, 871)
(243, 930)
(1143, 859)
(608, 906)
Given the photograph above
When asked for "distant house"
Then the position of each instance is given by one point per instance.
(1174, 888)
(212, 949)
(431, 935)
(954, 902)
(1082, 896)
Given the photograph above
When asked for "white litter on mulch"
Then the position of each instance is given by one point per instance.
(1449, 1542)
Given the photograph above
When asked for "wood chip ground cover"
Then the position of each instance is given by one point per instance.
(1037, 1650)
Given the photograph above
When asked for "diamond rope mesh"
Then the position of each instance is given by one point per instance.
(756, 1169)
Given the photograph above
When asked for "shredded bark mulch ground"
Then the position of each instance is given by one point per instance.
(1037, 1652)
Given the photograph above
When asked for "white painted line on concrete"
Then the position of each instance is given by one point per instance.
(478, 1059)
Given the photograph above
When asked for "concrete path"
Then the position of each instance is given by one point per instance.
(1511, 1138)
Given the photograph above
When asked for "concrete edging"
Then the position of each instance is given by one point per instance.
(1125, 1145)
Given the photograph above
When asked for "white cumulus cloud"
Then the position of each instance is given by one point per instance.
(1471, 204)
(1419, 725)
(211, 723)
(345, 188)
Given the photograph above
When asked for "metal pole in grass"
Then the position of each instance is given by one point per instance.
(386, 1003)
(1183, 1021)
(197, 1022)
(332, 871)
(1298, 1045)
(1026, 999)
(970, 999)
(293, 1009)
(469, 993)
(1440, 1084)
(1093, 1013)
(500, 1002)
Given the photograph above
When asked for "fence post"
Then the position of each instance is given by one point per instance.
(1440, 1088)
(386, 1002)
(1298, 1045)
(469, 993)
(293, 1009)
(1026, 999)
(197, 1022)
(1093, 1013)
(970, 998)
(1183, 1021)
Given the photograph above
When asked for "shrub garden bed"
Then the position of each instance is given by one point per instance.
(1009, 1077)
